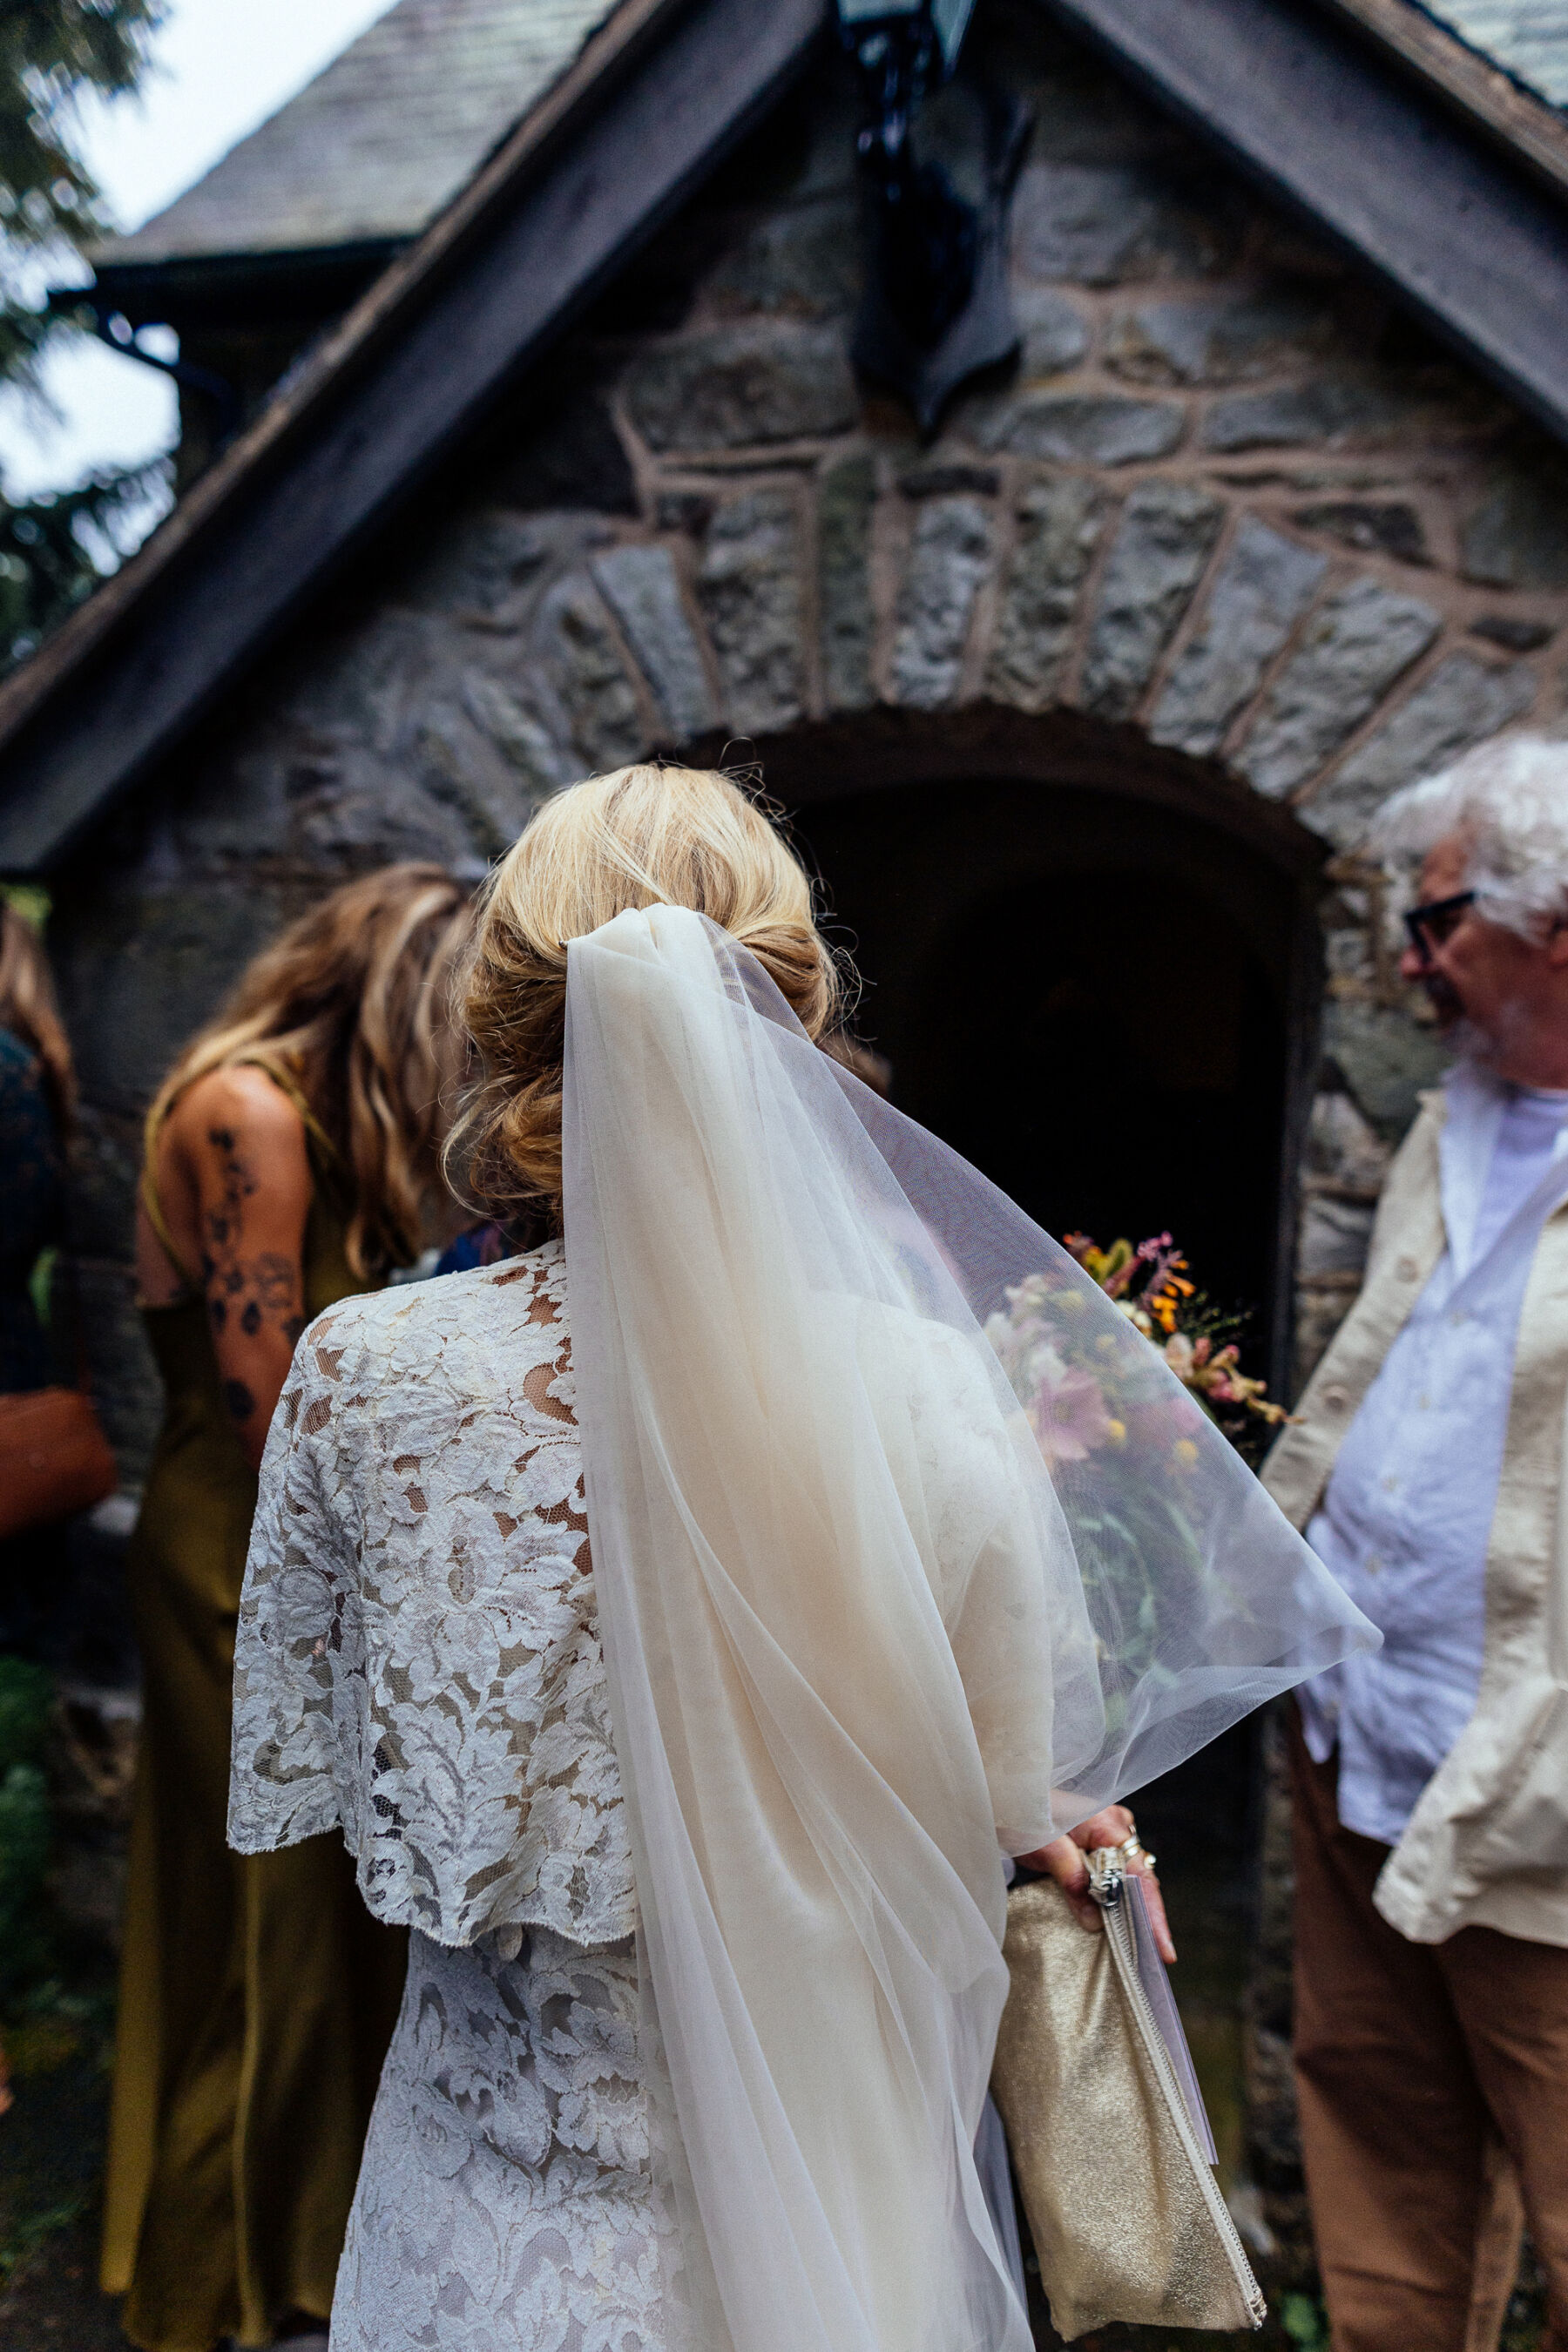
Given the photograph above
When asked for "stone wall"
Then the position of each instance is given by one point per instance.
(1229, 503)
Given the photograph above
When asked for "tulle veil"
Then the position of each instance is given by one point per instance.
(908, 1550)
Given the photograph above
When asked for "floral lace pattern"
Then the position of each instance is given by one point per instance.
(506, 2200)
(418, 1655)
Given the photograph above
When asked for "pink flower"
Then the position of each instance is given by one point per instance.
(1071, 1417)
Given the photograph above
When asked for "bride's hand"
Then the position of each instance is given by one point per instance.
(1063, 1860)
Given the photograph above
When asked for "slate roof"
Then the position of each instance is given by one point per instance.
(381, 140)
(1528, 38)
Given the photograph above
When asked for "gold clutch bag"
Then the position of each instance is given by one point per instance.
(1105, 2125)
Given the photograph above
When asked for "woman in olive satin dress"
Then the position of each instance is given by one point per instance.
(290, 1161)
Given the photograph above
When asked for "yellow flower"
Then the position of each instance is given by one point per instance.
(1116, 1432)
(1186, 1454)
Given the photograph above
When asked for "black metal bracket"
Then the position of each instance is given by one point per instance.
(936, 309)
(229, 412)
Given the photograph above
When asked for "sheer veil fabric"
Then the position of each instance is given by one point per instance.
(883, 1591)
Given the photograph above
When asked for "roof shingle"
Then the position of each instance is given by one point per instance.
(380, 141)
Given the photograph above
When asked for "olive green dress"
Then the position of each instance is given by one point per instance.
(257, 1995)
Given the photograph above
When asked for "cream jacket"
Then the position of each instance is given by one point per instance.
(1488, 1842)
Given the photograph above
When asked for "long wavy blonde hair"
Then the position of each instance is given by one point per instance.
(28, 1008)
(351, 1006)
(646, 836)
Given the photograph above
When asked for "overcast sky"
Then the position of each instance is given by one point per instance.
(218, 68)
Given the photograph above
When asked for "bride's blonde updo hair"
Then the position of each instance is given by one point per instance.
(647, 836)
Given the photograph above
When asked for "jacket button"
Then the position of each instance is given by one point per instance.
(1406, 1269)
(1335, 1398)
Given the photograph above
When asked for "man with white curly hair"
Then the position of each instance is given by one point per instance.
(1430, 1779)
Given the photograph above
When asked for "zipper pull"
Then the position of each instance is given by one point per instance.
(1106, 1872)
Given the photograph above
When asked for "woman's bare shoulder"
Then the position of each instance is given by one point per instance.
(240, 1102)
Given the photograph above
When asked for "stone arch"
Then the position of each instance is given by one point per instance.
(985, 852)
(1181, 624)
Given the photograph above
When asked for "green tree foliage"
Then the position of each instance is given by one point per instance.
(52, 54)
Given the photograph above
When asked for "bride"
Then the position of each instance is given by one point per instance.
(684, 1620)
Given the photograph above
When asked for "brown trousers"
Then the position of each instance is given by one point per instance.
(1433, 2082)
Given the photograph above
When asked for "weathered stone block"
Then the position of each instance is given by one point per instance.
(690, 512)
(1513, 632)
(124, 1375)
(1463, 702)
(563, 452)
(1353, 651)
(739, 385)
(361, 809)
(1330, 411)
(846, 505)
(950, 560)
(1342, 1149)
(1334, 1237)
(1101, 224)
(105, 1165)
(478, 562)
(640, 587)
(1085, 430)
(1166, 535)
(1059, 523)
(1375, 526)
(805, 264)
(942, 481)
(1320, 1311)
(1265, 584)
(1215, 341)
(163, 959)
(458, 768)
(1055, 335)
(582, 661)
(750, 591)
(1386, 1058)
(518, 733)
(1517, 536)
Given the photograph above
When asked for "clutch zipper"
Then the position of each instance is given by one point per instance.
(1106, 1875)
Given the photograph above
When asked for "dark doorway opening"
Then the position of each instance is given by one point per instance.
(1092, 997)
(1113, 1058)
(1106, 1004)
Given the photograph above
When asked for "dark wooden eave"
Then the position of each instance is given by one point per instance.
(1466, 229)
(1339, 126)
(1525, 125)
(656, 97)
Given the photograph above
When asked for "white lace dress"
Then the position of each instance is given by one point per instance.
(418, 1663)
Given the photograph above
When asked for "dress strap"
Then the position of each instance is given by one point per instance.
(286, 1084)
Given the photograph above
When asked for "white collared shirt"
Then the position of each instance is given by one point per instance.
(1407, 1517)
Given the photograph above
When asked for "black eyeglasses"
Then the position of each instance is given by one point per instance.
(1437, 920)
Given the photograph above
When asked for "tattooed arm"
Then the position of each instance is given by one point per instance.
(240, 1145)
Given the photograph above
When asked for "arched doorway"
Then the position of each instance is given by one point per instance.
(1096, 973)
(1091, 999)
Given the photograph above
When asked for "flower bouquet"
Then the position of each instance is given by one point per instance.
(1150, 1284)
(1127, 1446)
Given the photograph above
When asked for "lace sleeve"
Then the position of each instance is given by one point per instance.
(299, 1638)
